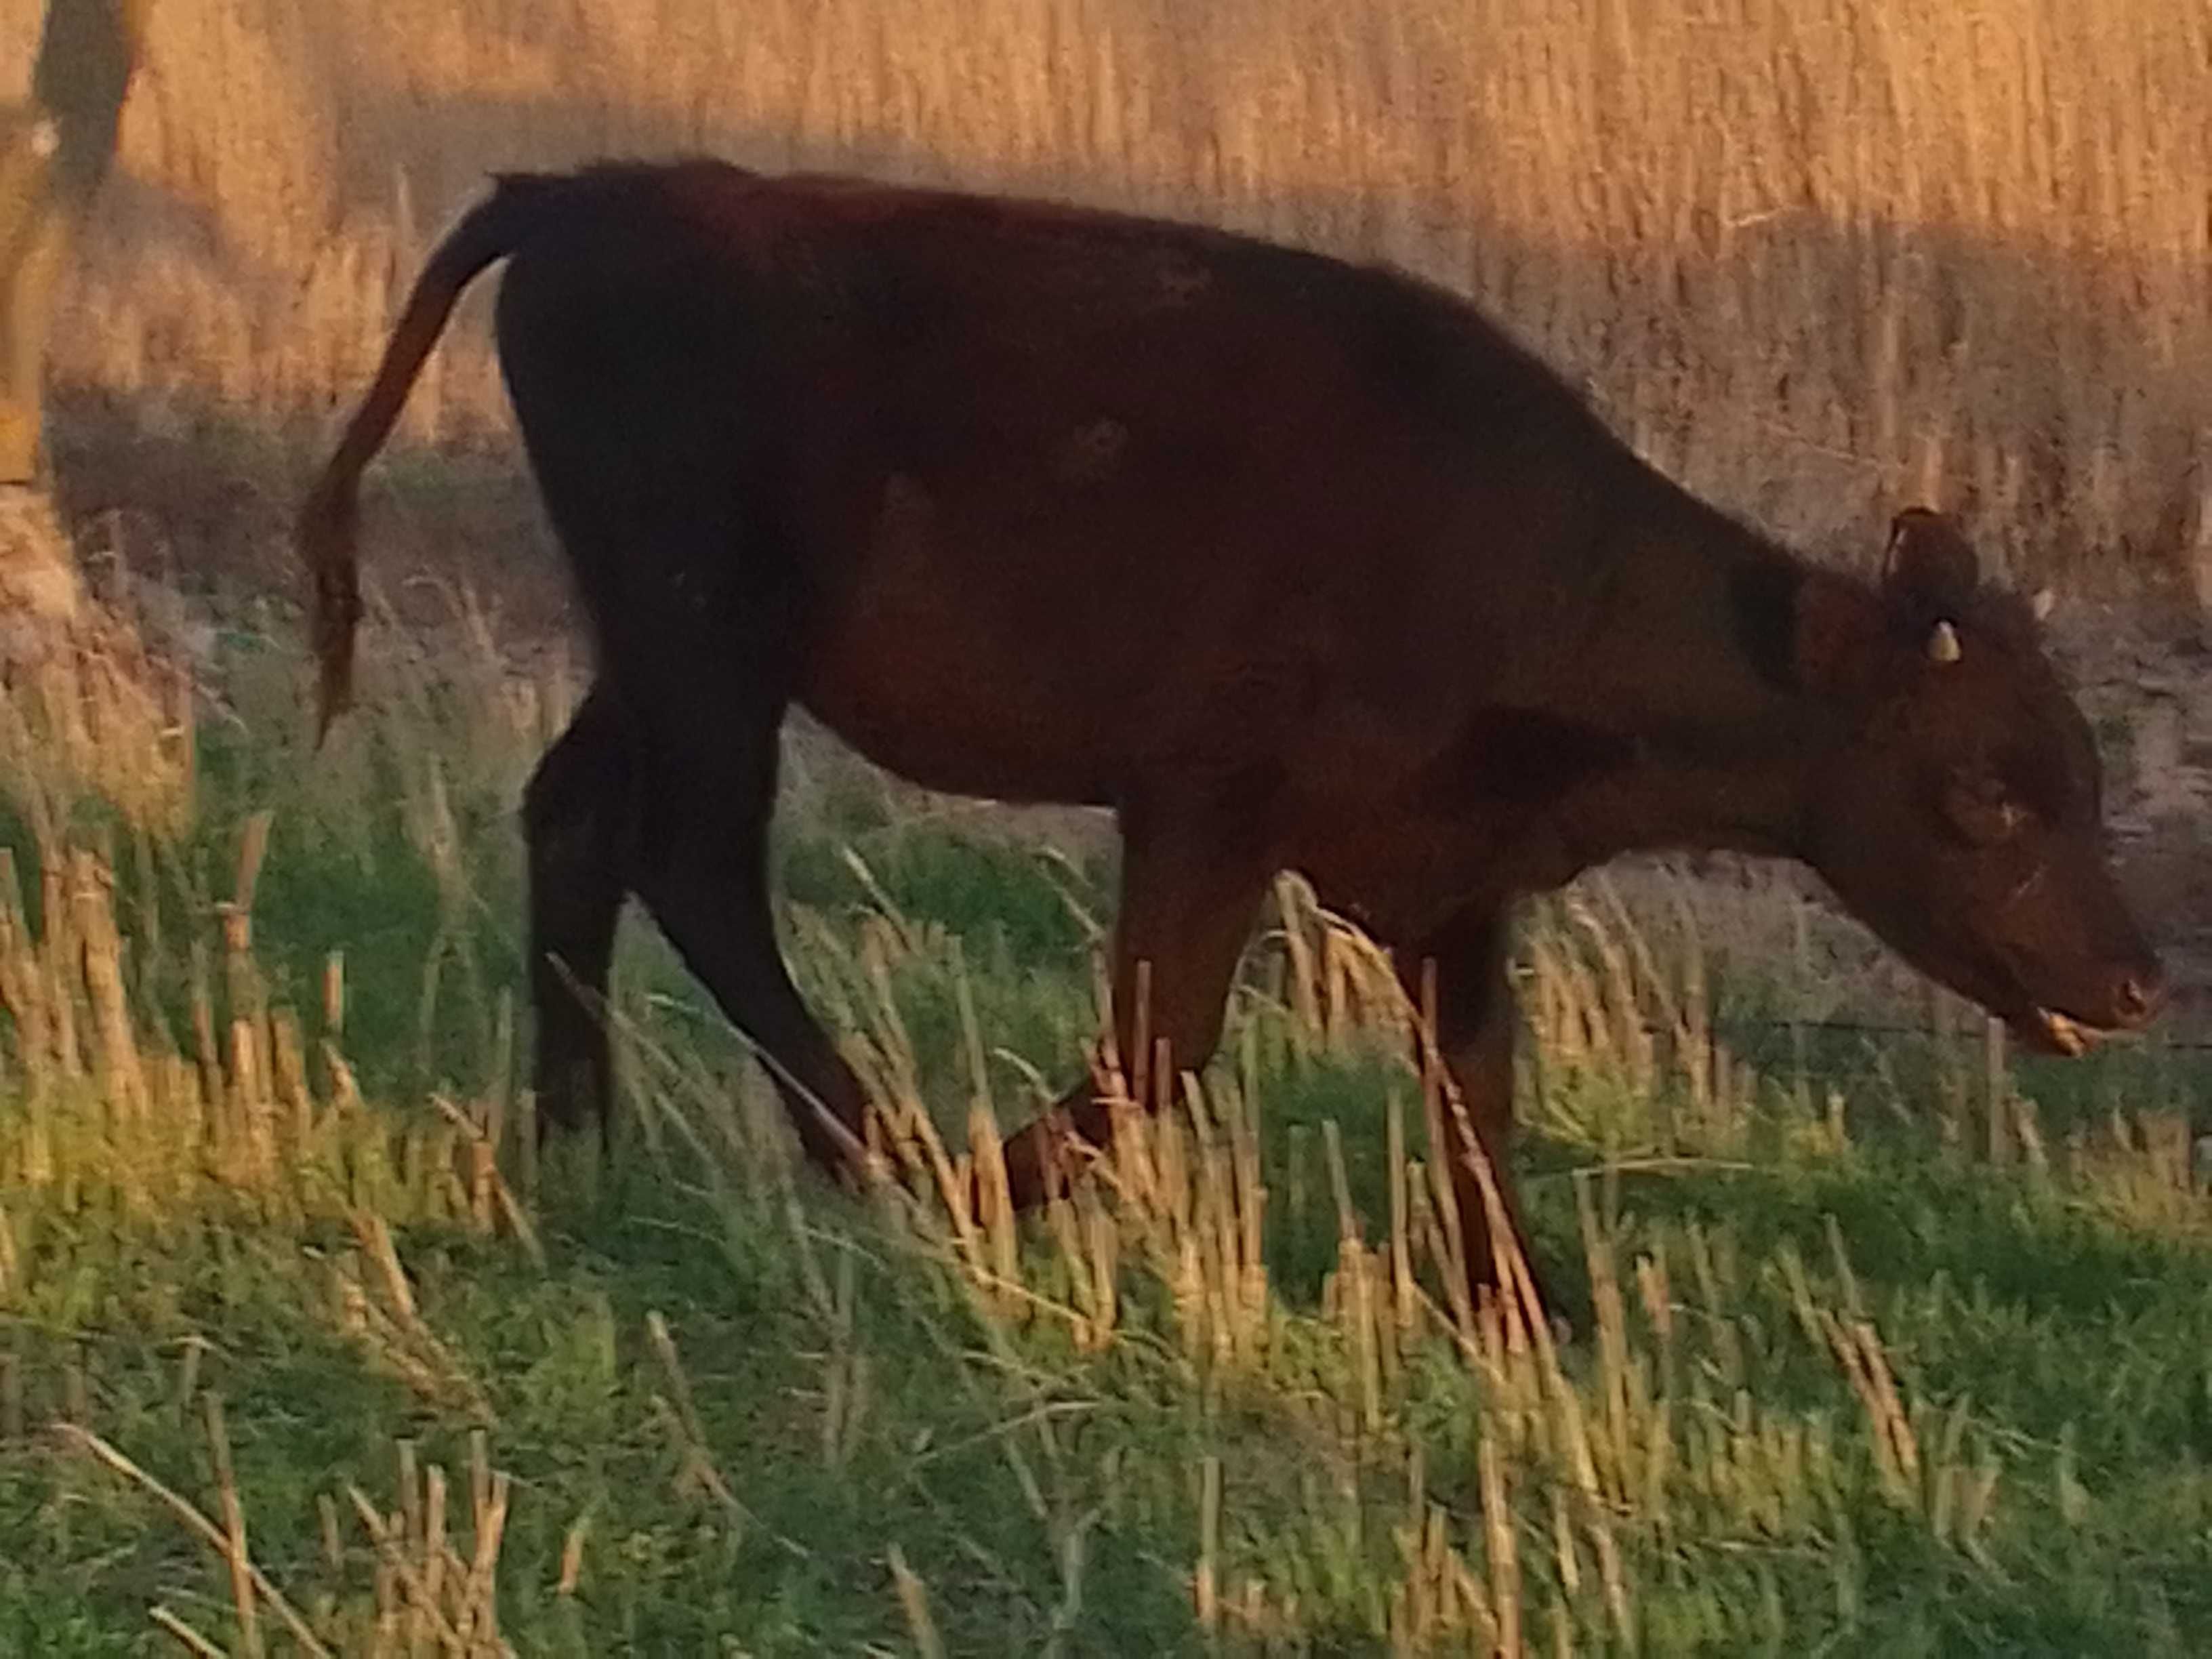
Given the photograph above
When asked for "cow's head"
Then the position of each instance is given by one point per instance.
(1960, 815)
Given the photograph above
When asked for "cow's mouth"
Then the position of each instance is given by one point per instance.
(2062, 1034)
(2039, 1027)
(2002, 986)
(2044, 1029)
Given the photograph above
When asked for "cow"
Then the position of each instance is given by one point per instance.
(1288, 561)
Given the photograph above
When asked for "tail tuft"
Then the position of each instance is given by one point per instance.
(327, 534)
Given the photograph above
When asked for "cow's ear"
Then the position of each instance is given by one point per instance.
(1927, 570)
(1839, 640)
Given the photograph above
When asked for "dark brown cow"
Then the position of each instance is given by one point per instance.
(1291, 563)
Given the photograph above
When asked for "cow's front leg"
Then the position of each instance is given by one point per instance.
(1192, 877)
(1476, 1020)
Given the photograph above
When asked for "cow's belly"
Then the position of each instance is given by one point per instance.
(983, 642)
(930, 734)
(924, 692)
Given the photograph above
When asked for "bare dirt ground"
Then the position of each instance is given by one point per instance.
(2143, 671)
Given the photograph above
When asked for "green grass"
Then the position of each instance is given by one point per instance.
(1839, 1384)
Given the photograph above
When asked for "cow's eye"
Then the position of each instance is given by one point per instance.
(1982, 809)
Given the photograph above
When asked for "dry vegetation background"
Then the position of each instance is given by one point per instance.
(1814, 256)
(1816, 259)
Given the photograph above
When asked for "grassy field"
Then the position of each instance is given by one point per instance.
(1885, 1343)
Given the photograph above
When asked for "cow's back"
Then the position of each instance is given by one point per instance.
(1066, 498)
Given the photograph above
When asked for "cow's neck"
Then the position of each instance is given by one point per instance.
(1691, 667)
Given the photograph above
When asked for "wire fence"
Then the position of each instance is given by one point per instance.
(1964, 1032)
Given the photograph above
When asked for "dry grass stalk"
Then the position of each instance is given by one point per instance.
(1500, 1547)
(1351, 1289)
(388, 1326)
(913, 1599)
(1401, 1262)
(1998, 1091)
(236, 1555)
(845, 1398)
(492, 1202)
(1859, 1352)
(1102, 1239)
(424, 1587)
(1439, 1598)
(697, 1467)
(122, 1076)
(1443, 1194)
(995, 1217)
(1205, 1578)
(76, 1384)
(572, 1554)
(83, 1440)
(1074, 1254)
(188, 1639)
(1612, 1325)
(1294, 902)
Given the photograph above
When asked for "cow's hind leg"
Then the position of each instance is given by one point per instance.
(1191, 879)
(575, 816)
(707, 788)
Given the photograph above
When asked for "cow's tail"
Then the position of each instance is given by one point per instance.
(326, 529)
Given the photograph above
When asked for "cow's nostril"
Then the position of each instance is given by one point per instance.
(2136, 996)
